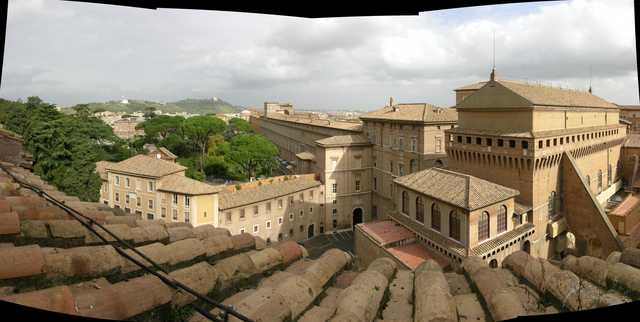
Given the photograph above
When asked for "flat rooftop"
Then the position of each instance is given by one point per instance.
(386, 232)
(414, 254)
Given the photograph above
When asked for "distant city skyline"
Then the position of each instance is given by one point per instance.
(69, 53)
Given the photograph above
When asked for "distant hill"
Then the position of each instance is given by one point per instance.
(190, 105)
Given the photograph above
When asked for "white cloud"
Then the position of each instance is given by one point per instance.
(97, 51)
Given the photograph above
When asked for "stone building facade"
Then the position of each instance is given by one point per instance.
(405, 138)
(515, 134)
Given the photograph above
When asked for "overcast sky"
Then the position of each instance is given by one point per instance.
(69, 53)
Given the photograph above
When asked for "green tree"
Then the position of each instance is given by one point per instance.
(198, 129)
(237, 126)
(250, 155)
(160, 127)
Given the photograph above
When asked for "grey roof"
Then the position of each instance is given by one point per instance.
(632, 141)
(462, 190)
(233, 199)
(146, 166)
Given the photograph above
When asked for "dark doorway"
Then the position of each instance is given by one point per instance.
(310, 231)
(321, 228)
(357, 216)
(493, 263)
(526, 247)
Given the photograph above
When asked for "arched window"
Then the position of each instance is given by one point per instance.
(599, 180)
(502, 219)
(413, 166)
(405, 203)
(552, 204)
(435, 217)
(420, 210)
(483, 226)
(609, 175)
(454, 225)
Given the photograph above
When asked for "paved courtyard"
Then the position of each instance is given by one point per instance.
(342, 240)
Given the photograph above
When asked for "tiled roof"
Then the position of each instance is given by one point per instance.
(353, 139)
(473, 86)
(632, 141)
(554, 96)
(629, 107)
(461, 190)
(101, 168)
(181, 184)
(229, 199)
(386, 232)
(421, 112)
(168, 153)
(146, 166)
(629, 204)
(521, 209)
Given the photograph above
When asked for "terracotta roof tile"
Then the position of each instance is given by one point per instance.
(229, 199)
(146, 166)
(422, 112)
(341, 140)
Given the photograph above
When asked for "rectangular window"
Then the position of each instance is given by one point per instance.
(438, 144)
(138, 201)
(151, 204)
(228, 217)
(459, 139)
(150, 216)
(489, 142)
(187, 215)
(468, 139)
(241, 214)
(512, 143)
(311, 194)
(500, 142)
(334, 212)
(525, 144)
(268, 207)
(334, 188)
(117, 180)
(291, 200)
(187, 201)
(126, 198)
(414, 145)
(242, 230)
(163, 212)
(540, 144)
(255, 229)
(127, 182)
(279, 203)
(175, 198)
(255, 211)
(375, 183)
(268, 224)
(150, 186)
(279, 220)
(291, 216)
(401, 145)
(548, 143)
(479, 141)
(555, 142)
(301, 197)
(357, 185)
(117, 197)
(401, 169)
(175, 214)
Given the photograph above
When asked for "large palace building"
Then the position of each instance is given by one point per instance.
(514, 165)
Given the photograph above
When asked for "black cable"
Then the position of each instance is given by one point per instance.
(165, 279)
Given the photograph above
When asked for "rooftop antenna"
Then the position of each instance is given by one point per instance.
(493, 68)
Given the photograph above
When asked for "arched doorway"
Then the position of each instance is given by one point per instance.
(493, 263)
(438, 163)
(310, 231)
(526, 247)
(357, 216)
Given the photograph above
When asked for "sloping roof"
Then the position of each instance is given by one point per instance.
(101, 167)
(167, 152)
(541, 95)
(147, 166)
(233, 199)
(473, 86)
(420, 112)
(493, 243)
(305, 156)
(629, 204)
(629, 107)
(352, 139)
(632, 141)
(455, 188)
(301, 119)
(185, 185)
